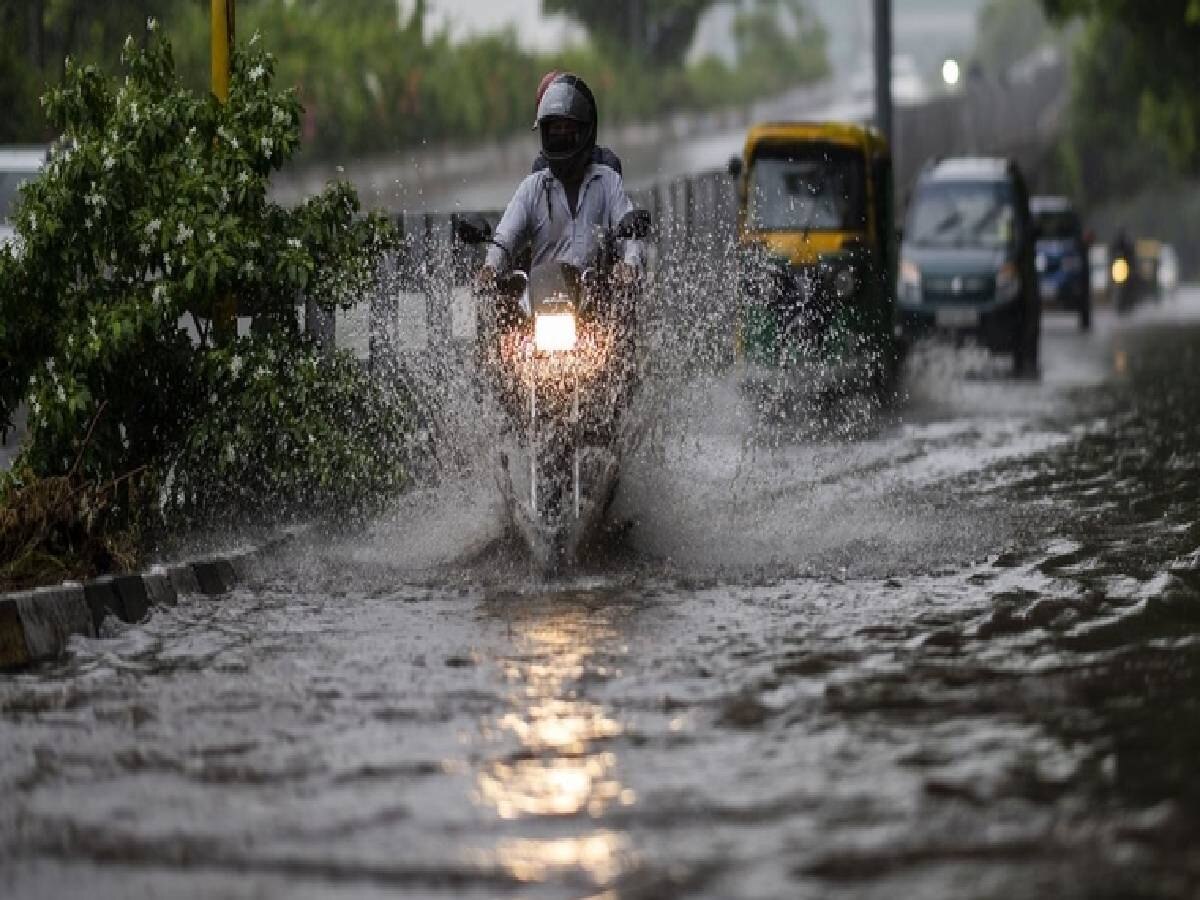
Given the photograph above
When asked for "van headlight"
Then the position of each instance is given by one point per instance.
(910, 282)
(554, 332)
(1008, 282)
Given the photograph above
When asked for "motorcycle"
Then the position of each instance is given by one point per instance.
(557, 344)
(1123, 273)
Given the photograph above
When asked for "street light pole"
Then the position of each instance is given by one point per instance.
(224, 307)
(883, 68)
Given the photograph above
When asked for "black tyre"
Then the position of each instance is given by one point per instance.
(1025, 353)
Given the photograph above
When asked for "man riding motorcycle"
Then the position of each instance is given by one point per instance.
(562, 211)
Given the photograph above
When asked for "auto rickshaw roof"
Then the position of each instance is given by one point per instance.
(843, 133)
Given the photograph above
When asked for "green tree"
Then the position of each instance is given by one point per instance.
(779, 44)
(1161, 62)
(37, 36)
(1009, 30)
(1106, 154)
(658, 32)
(155, 205)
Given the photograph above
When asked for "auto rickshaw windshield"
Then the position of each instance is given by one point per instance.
(807, 188)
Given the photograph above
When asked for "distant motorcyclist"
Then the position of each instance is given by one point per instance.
(1124, 270)
(1121, 246)
(561, 211)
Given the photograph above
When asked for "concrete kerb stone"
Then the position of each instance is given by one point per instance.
(243, 562)
(215, 575)
(50, 616)
(13, 649)
(159, 587)
(183, 579)
(135, 600)
(103, 600)
(37, 624)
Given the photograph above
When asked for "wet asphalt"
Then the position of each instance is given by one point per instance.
(947, 648)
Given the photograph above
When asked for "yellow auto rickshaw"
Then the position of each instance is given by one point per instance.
(817, 241)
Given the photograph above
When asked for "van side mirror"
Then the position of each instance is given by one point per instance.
(473, 228)
(736, 167)
(635, 224)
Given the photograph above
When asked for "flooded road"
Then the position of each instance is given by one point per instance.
(948, 650)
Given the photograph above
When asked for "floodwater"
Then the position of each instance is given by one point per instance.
(948, 649)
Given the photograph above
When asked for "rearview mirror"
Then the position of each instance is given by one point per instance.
(473, 228)
(635, 224)
(735, 166)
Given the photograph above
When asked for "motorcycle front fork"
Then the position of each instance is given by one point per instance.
(534, 454)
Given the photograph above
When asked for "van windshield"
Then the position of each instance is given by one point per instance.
(1058, 225)
(808, 188)
(962, 214)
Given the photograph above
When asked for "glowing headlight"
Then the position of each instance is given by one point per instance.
(845, 283)
(1120, 271)
(554, 332)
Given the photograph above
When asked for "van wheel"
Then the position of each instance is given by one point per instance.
(1025, 353)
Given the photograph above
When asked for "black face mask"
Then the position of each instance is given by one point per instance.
(567, 147)
(561, 138)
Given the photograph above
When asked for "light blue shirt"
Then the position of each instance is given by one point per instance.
(539, 215)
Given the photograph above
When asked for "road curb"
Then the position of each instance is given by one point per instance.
(36, 625)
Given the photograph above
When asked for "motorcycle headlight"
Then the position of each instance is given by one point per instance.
(1120, 271)
(554, 332)
(1008, 283)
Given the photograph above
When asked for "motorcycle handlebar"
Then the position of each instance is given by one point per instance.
(511, 285)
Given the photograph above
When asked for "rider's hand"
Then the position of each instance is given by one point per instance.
(625, 275)
(485, 281)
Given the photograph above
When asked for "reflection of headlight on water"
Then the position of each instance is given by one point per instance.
(1120, 271)
(554, 332)
(601, 855)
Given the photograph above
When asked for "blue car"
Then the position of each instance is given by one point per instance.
(1062, 258)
